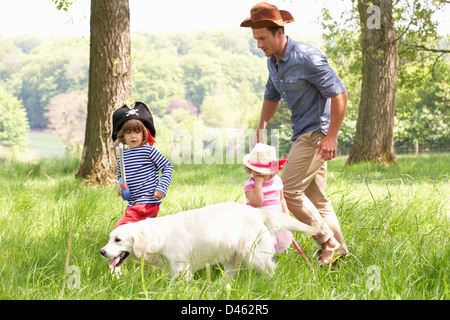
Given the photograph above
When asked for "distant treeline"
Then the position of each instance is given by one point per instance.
(217, 77)
(165, 67)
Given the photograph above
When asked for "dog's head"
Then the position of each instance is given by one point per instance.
(131, 239)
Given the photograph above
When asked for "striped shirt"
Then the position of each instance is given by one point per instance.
(271, 192)
(142, 166)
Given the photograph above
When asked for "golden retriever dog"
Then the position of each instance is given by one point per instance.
(182, 243)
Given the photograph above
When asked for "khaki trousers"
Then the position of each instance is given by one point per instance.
(304, 178)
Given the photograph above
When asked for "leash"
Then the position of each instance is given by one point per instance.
(301, 252)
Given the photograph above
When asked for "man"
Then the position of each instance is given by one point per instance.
(300, 75)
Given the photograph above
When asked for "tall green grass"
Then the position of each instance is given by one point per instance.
(395, 221)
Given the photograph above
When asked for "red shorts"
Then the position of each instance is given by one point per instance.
(138, 212)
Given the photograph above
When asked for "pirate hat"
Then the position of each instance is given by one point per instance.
(139, 111)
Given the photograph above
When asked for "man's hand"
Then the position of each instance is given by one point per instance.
(259, 137)
(328, 148)
(328, 145)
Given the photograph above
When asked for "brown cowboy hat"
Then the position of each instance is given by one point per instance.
(265, 15)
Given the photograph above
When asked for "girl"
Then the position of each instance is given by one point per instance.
(264, 189)
(142, 163)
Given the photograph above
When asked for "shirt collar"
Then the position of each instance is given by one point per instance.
(286, 53)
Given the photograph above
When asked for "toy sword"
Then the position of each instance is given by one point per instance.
(123, 181)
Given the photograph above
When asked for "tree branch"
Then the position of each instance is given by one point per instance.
(409, 24)
(423, 48)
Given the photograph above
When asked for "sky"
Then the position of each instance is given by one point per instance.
(40, 17)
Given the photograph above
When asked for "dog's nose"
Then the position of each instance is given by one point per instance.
(103, 252)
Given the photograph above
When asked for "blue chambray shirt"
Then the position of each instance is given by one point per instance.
(306, 82)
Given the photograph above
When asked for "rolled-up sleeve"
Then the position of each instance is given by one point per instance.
(271, 93)
(319, 73)
(305, 80)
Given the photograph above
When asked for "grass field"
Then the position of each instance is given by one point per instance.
(44, 145)
(395, 221)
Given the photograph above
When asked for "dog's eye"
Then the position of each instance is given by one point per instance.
(118, 240)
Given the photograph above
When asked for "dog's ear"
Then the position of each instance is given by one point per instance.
(148, 241)
(140, 244)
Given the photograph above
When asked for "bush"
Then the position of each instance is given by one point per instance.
(13, 122)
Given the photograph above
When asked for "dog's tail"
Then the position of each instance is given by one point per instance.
(276, 221)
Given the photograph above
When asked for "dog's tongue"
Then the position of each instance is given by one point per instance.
(114, 262)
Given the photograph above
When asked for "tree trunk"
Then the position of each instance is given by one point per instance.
(374, 139)
(109, 87)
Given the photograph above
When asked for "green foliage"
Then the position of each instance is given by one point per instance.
(10, 58)
(166, 67)
(13, 122)
(63, 4)
(223, 75)
(43, 70)
(229, 107)
(281, 121)
(422, 87)
(194, 66)
(423, 114)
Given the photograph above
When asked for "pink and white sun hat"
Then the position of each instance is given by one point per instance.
(263, 159)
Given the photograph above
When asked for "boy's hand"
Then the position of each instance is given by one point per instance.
(119, 191)
(158, 195)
